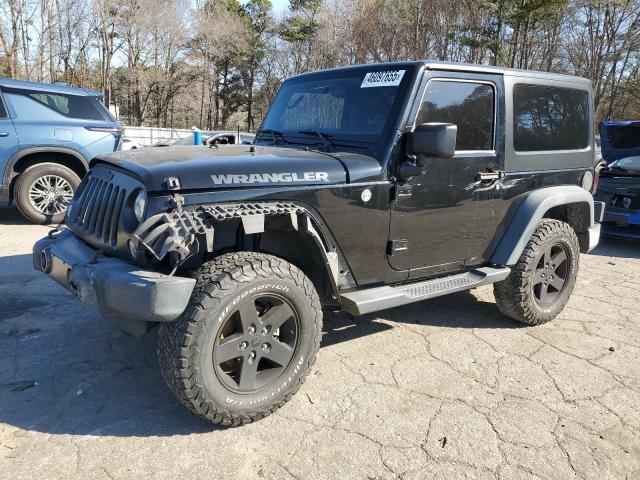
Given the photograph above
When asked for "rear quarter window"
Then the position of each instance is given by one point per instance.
(3, 110)
(72, 106)
(549, 118)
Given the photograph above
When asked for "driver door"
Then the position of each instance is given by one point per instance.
(443, 221)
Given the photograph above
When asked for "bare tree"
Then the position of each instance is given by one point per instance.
(218, 63)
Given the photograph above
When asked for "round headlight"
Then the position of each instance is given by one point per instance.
(140, 205)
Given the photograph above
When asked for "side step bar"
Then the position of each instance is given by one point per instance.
(370, 300)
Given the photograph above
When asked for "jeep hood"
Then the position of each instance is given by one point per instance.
(243, 166)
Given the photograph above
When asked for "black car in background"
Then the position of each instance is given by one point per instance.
(619, 186)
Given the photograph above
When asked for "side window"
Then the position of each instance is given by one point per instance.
(3, 110)
(469, 105)
(74, 106)
(549, 118)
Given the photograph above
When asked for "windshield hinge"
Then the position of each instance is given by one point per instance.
(402, 191)
(178, 201)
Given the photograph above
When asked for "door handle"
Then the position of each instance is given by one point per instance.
(489, 176)
(4, 134)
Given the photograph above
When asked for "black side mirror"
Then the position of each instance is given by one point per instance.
(434, 140)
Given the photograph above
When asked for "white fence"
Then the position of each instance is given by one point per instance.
(147, 136)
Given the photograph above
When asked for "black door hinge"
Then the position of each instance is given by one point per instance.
(401, 191)
(396, 246)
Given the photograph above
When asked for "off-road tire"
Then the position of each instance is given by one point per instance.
(32, 174)
(515, 295)
(185, 360)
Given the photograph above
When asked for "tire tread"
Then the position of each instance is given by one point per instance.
(177, 341)
(513, 295)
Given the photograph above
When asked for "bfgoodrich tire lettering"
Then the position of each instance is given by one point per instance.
(186, 347)
(519, 296)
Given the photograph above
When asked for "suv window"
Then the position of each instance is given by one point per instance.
(469, 105)
(3, 110)
(74, 106)
(550, 118)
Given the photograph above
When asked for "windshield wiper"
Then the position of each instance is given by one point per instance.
(351, 145)
(322, 136)
(275, 134)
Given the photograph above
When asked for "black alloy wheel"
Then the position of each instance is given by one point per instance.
(256, 343)
(550, 275)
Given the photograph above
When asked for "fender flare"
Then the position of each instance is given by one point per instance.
(303, 219)
(530, 211)
(9, 172)
(167, 232)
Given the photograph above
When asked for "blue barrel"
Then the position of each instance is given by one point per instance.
(197, 137)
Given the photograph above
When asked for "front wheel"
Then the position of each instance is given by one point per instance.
(246, 341)
(43, 192)
(540, 284)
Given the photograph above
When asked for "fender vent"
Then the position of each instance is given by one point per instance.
(227, 211)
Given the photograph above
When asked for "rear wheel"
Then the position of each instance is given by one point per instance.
(246, 341)
(43, 192)
(541, 283)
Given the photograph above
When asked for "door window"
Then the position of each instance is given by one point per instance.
(469, 105)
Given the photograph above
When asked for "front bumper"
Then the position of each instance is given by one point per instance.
(621, 223)
(621, 217)
(119, 291)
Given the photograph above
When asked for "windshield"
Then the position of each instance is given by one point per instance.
(630, 164)
(355, 105)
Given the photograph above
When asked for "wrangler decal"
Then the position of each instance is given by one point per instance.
(271, 178)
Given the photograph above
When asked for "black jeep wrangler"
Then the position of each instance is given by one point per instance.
(367, 187)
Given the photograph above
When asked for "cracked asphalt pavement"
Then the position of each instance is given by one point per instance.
(443, 389)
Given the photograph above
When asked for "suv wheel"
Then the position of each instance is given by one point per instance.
(541, 283)
(43, 192)
(246, 341)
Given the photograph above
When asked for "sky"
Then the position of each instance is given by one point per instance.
(279, 5)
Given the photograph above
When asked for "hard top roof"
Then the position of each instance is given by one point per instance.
(466, 67)
(47, 87)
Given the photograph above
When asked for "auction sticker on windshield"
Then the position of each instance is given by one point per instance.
(389, 78)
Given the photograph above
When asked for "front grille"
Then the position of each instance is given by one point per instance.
(98, 210)
(101, 213)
